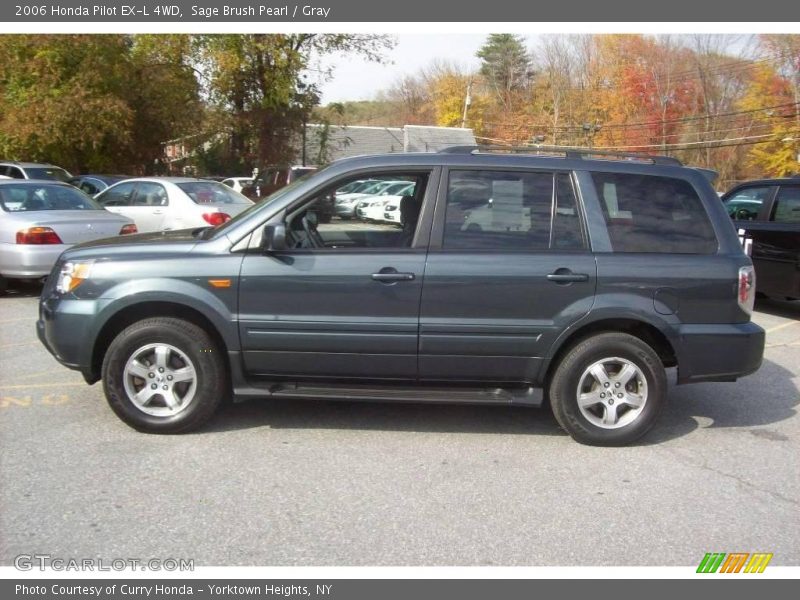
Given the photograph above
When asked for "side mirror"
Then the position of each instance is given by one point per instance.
(274, 237)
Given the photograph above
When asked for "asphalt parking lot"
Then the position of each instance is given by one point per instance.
(324, 483)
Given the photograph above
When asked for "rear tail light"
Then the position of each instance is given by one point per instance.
(216, 218)
(38, 235)
(747, 289)
(126, 229)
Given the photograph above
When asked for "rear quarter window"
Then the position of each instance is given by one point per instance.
(654, 214)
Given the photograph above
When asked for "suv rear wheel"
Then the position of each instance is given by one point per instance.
(164, 375)
(608, 389)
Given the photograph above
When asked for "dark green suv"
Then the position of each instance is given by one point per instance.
(509, 279)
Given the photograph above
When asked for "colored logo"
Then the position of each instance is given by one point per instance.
(736, 562)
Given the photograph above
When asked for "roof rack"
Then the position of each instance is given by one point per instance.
(566, 152)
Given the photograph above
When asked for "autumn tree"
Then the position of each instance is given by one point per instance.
(260, 83)
(63, 99)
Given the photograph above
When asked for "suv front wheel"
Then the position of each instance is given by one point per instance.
(608, 389)
(164, 375)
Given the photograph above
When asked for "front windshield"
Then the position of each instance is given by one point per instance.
(221, 229)
(29, 197)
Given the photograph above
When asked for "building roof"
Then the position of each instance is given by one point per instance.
(424, 138)
(342, 141)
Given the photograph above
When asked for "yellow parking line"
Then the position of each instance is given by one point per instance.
(40, 385)
(782, 326)
(34, 375)
(31, 319)
(19, 344)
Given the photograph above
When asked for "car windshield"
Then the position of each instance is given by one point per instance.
(376, 187)
(52, 173)
(211, 192)
(29, 197)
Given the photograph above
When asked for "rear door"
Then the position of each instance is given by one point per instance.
(508, 269)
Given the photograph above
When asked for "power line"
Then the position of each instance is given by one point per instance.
(651, 123)
(702, 144)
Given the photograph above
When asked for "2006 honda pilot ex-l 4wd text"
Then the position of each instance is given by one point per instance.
(510, 279)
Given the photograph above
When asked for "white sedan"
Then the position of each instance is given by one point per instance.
(238, 183)
(164, 203)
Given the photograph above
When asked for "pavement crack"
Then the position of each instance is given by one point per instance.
(738, 478)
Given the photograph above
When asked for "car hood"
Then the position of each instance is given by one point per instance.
(167, 242)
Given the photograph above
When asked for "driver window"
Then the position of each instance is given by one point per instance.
(745, 204)
(378, 211)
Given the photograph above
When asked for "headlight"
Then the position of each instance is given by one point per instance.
(72, 275)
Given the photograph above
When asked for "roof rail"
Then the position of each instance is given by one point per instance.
(567, 152)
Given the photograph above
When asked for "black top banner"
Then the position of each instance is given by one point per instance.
(338, 11)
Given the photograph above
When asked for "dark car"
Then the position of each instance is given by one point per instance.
(270, 179)
(767, 212)
(513, 278)
(94, 184)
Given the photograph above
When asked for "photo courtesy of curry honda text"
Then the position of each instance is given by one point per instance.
(562, 278)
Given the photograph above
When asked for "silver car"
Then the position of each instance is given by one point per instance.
(41, 219)
(164, 203)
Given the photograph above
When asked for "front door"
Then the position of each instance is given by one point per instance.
(343, 301)
(512, 269)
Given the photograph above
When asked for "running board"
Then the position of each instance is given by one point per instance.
(371, 393)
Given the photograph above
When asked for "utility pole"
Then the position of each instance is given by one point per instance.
(467, 102)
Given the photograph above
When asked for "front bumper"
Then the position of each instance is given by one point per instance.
(719, 352)
(64, 329)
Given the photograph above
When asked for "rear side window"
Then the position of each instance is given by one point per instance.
(14, 173)
(646, 213)
(787, 205)
(511, 211)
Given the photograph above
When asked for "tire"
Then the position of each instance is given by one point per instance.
(633, 371)
(3, 285)
(173, 355)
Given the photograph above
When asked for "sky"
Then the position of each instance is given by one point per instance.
(356, 79)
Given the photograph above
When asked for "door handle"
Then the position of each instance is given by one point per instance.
(566, 276)
(392, 276)
(158, 212)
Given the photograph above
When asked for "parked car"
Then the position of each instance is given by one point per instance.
(238, 183)
(165, 203)
(41, 219)
(373, 210)
(618, 270)
(348, 197)
(273, 178)
(768, 212)
(391, 212)
(94, 184)
(383, 190)
(27, 170)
